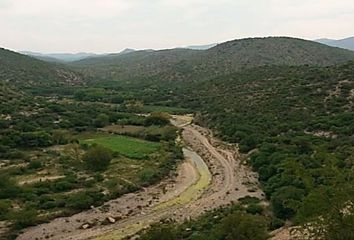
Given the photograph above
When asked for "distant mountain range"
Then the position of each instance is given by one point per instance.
(346, 43)
(72, 57)
(65, 57)
(68, 57)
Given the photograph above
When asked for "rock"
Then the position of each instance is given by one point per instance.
(85, 226)
(111, 220)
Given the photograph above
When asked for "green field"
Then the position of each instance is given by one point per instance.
(127, 146)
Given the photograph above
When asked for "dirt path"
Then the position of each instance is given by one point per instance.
(212, 176)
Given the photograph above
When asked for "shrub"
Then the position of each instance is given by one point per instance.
(97, 158)
(5, 206)
(101, 120)
(147, 175)
(158, 119)
(24, 218)
(241, 226)
(35, 164)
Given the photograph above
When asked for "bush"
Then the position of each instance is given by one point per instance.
(147, 175)
(80, 201)
(5, 206)
(8, 188)
(241, 226)
(160, 232)
(98, 158)
(24, 218)
(35, 164)
(101, 120)
(158, 119)
(254, 209)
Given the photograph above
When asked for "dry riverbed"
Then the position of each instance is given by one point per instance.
(211, 176)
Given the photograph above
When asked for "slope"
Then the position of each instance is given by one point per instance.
(23, 71)
(297, 123)
(193, 65)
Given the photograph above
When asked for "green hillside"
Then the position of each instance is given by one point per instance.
(298, 122)
(194, 65)
(20, 70)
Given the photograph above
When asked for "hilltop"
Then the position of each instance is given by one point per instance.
(228, 57)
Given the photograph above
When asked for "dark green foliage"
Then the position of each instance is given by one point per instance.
(101, 120)
(5, 206)
(8, 188)
(286, 201)
(97, 158)
(24, 218)
(160, 232)
(35, 164)
(84, 200)
(300, 131)
(241, 226)
(221, 224)
(157, 118)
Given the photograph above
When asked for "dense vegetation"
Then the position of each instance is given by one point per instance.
(159, 67)
(244, 221)
(24, 71)
(286, 102)
(54, 160)
(298, 124)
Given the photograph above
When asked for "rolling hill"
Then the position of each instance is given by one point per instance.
(196, 65)
(346, 43)
(24, 71)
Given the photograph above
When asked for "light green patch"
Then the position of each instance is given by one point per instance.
(127, 146)
(194, 191)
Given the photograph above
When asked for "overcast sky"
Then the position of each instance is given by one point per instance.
(112, 25)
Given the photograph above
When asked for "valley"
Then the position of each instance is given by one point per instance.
(251, 137)
(193, 191)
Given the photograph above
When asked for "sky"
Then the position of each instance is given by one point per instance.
(103, 26)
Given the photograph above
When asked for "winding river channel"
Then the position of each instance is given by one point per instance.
(211, 176)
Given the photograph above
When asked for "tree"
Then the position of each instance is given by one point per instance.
(157, 118)
(241, 226)
(98, 158)
(101, 120)
(286, 201)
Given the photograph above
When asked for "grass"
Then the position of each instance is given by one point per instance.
(127, 146)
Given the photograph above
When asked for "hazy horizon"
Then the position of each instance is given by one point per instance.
(108, 26)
